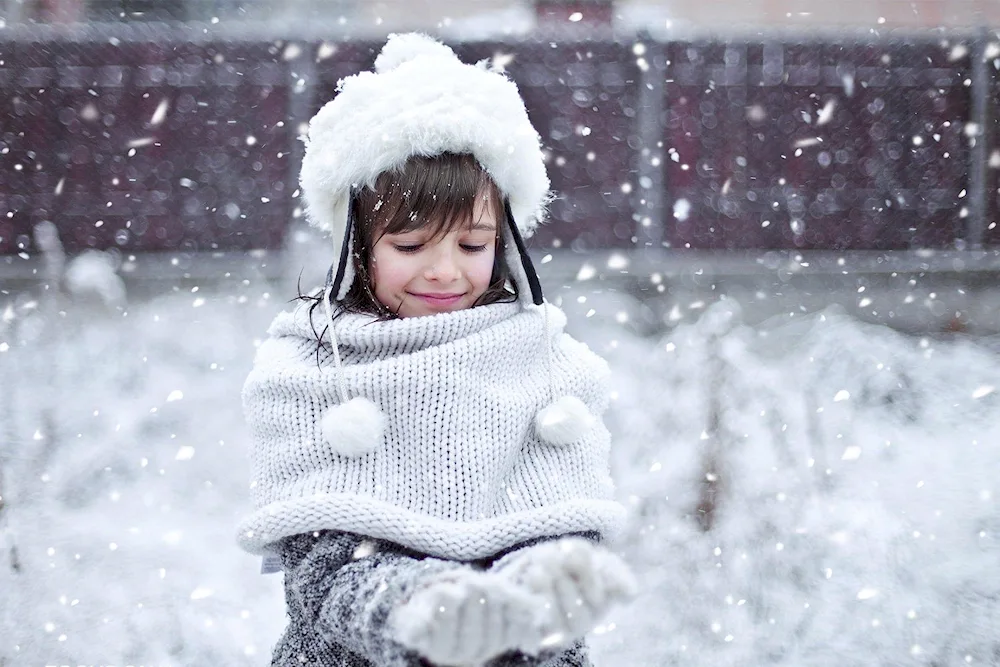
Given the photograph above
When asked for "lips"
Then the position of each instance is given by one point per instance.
(439, 299)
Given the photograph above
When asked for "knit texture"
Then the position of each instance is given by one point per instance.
(340, 590)
(460, 472)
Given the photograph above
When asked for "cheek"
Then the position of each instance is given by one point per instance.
(392, 273)
(382, 275)
(483, 269)
(381, 270)
(373, 268)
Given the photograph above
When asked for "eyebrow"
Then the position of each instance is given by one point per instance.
(480, 226)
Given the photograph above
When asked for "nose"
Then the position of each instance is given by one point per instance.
(443, 266)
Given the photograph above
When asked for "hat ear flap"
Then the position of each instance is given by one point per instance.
(521, 267)
(344, 275)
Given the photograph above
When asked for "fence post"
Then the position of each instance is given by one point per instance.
(650, 225)
(980, 137)
(302, 103)
(13, 11)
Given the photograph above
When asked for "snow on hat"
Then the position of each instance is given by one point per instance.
(421, 100)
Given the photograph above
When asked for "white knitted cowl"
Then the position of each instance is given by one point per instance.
(459, 472)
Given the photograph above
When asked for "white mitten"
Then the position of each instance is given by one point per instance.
(578, 581)
(468, 617)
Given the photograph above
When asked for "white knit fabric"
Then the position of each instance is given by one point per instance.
(460, 472)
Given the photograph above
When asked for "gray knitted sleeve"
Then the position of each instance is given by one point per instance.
(344, 587)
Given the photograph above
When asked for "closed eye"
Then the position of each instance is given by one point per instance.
(474, 248)
(408, 248)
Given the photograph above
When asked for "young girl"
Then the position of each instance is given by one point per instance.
(429, 462)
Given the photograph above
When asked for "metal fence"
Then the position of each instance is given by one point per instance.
(156, 138)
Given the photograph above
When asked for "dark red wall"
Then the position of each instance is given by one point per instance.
(77, 145)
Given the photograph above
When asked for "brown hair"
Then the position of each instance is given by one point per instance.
(438, 193)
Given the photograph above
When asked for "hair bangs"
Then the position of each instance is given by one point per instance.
(438, 194)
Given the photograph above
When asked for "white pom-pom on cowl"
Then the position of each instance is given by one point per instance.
(563, 421)
(353, 428)
(404, 48)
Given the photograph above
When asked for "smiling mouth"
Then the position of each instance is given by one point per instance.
(442, 299)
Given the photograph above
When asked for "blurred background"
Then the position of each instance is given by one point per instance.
(776, 218)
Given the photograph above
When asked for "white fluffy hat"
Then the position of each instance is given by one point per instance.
(420, 100)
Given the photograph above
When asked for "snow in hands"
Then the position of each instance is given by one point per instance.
(468, 617)
(541, 597)
(576, 581)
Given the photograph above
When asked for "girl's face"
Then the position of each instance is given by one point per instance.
(415, 273)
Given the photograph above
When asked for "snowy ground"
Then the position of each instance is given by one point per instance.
(811, 492)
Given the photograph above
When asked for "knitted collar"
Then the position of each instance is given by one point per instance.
(458, 469)
(357, 332)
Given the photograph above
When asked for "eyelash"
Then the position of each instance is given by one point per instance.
(410, 249)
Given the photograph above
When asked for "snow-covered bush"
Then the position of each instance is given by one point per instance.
(854, 517)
